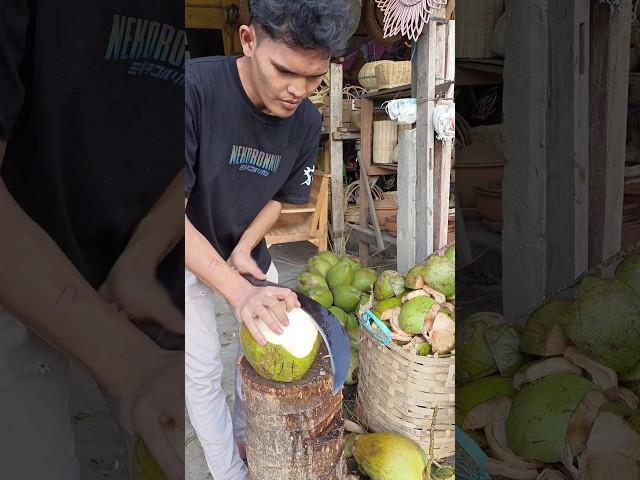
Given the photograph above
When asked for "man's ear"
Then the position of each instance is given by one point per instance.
(248, 39)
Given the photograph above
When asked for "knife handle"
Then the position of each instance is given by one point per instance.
(258, 283)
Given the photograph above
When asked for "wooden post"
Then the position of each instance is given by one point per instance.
(526, 87)
(445, 70)
(568, 144)
(423, 68)
(609, 83)
(365, 154)
(337, 183)
(294, 430)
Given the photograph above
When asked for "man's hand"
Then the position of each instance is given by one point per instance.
(133, 287)
(244, 263)
(268, 304)
(152, 405)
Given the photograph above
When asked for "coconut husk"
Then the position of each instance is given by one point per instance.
(533, 371)
(436, 295)
(613, 445)
(551, 474)
(497, 468)
(629, 398)
(580, 425)
(430, 316)
(442, 335)
(411, 347)
(414, 294)
(495, 433)
(391, 313)
(604, 377)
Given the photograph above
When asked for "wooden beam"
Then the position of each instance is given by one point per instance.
(445, 69)
(525, 98)
(407, 206)
(568, 144)
(609, 82)
(337, 162)
(365, 154)
(423, 64)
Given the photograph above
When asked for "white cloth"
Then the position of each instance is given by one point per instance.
(36, 434)
(204, 396)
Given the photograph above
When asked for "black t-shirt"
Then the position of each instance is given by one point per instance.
(92, 105)
(239, 158)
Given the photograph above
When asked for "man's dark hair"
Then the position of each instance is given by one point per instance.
(308, 24)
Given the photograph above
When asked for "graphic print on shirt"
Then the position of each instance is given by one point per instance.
(308, 172)
(254, 161)
(155, 49)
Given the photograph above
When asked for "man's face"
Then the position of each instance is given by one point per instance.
(283, 77)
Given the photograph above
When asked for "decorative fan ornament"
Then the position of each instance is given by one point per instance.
(407, 17)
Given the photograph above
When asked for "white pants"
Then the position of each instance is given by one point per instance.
(36, 435)
(205, 399)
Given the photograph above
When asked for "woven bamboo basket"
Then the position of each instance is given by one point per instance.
(367, 74)
(393, 74)
(385, 138)
(398, 392)
(475, 21)
(352, 198)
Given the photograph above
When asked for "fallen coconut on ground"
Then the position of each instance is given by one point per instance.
(286, 357)
(389, 456)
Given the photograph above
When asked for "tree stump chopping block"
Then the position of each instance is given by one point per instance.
(294, 430)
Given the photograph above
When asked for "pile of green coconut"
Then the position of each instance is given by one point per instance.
(558, 398)
(419, 307)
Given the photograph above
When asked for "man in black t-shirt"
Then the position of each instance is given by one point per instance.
(91, 135)
(251, 144)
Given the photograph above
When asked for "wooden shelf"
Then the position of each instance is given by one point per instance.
(472, 71)
(369, 235)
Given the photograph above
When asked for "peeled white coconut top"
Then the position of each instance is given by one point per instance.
(298, 337)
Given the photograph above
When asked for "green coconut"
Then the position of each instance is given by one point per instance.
(340, 314)
(414, 313)
(441, 275)
(364, 278)
(319, 265)
(389, 456)
(383, 305)
(628, 272)
(321, 295)
(354, 366)
(340, 274)
(540, 414)
(355, 263)
(543, 335)
(504, 342)
(143, 465)
(415, 277)
(352, 321)
(474, 358)
(330, 257)
(346, 297)
(349, 440)
(607, 323)
(354, 337)
(388, 284)
(450, 253)
(423, 349)
(286, 357)
(307, 280)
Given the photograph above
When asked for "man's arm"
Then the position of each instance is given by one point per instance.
(40, 286)
(249, 302)
(241, 258)
(132, 282)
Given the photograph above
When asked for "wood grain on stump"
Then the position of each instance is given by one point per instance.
(294, 430)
